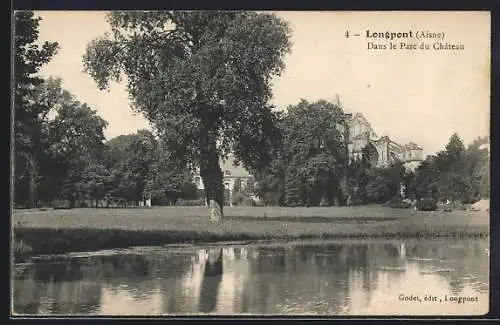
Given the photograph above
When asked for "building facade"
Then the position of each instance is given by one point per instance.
(383, 149)
(231, 174)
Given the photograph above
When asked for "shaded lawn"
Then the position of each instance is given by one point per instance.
(56, 231)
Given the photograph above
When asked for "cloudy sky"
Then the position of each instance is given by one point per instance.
(418, 96)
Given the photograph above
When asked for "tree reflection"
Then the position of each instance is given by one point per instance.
(211, 280)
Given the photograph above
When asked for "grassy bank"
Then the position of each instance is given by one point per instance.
(59, 231)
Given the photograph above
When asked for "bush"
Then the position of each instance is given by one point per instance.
(191, 203)
(324, 202)
(271, 199)
(350, 201)
(456, 205)
(242, 200)
(248, 202)
(427, 204)
(259, 203)
(398, 204)
(20, 248)
(59, 204)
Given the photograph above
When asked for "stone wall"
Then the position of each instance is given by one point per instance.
(361, 134)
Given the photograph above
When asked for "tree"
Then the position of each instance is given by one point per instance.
(385, 183)
(426, 180)
(76, 137)
(315, 152)
(270, 179)
(51, 97)
(28, 114)
(168, 179)
(478, 160)
(198, 76)
(455, 147)
(456, 173)
(378, 189)
(95, 182)
(357, 173)
(131, 158)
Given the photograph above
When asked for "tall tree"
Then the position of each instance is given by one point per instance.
(314, 150)
(28, 59)
(203, 78)
(76, 140)
(52, 165)
(132, 156)
(270, 179)
(95, 182)
(455, 147)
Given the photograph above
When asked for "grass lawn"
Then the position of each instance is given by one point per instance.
(58, 231)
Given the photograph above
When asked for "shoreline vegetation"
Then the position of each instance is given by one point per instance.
(50, 232)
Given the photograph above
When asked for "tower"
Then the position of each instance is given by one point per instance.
(337, 100)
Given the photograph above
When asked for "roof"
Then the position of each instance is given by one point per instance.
(413, 146)
(235, 171)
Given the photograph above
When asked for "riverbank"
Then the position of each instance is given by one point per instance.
(61, 231)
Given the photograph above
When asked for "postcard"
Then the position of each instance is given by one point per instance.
(311, 163)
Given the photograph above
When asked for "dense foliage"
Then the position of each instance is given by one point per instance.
(199, 77)
(29, 115)
(60, 148)
(455, 174)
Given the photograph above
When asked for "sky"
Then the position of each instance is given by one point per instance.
(410, 95)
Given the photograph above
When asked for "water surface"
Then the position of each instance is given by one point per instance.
(321, 278)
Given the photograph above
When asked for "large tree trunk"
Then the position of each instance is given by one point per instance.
(211, 175)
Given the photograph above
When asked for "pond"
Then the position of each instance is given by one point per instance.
(351, 277)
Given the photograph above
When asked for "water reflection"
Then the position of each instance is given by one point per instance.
(352, 277)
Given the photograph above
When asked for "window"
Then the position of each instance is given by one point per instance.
(227, 172)
(197, 180)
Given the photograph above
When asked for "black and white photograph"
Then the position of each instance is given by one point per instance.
(230, 163)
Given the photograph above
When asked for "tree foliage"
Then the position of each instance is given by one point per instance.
(199, 77)
(456, 173)
(131, 158)
(29, 115)
(308, 163)
(168, 180)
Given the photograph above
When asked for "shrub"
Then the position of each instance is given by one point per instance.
(199, 202)
(324, 202)
(457, 205)
(248, 202)
(59, 204)
(20, 248)
(242, 199)
(398, 203)
(259, 203)
(427, 204)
